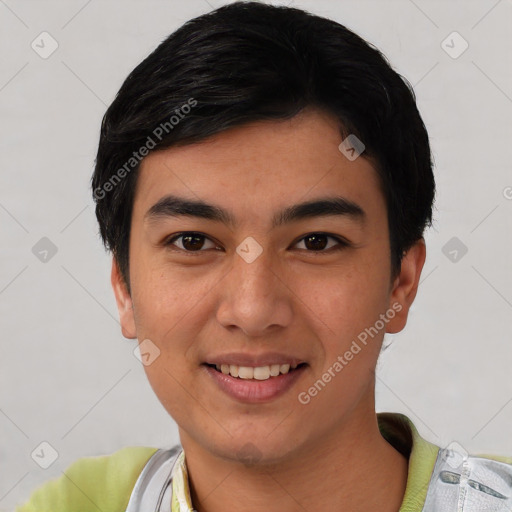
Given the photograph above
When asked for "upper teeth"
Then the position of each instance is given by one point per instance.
(258, 372)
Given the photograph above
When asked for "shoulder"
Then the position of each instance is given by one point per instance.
(92, 483)
(505, 459)
(471, 482)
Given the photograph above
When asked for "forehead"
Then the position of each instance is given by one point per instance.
(259, 165)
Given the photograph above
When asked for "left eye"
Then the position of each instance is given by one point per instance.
(318, 242)
(313, 242)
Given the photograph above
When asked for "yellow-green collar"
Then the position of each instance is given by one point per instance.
(396, 428)
(401, 433)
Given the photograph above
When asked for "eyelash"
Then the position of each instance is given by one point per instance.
(342, 243)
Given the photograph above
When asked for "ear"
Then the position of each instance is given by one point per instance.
(124, 302)
(405, 285)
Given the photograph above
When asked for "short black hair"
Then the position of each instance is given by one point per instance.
(248, 61)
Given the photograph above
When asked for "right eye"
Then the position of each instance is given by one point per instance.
(191, 241)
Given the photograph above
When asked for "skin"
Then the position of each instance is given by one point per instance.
(328, 454)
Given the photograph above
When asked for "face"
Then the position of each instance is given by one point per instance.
(253, 288)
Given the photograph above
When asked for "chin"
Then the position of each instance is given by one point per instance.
(254, 450)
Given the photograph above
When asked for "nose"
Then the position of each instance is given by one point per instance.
(255, 296)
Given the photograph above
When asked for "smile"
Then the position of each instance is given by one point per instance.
(255, 372)
(254, 384)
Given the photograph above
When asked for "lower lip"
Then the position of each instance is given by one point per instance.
(252, 390)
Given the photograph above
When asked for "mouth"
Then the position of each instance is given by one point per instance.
(256, 372)
(255, 384)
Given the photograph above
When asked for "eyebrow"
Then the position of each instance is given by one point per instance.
(175, 206)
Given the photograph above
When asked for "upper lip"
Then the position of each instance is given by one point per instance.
(244, 359)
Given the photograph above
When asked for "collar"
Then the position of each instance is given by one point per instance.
(401, 433)
(396, 428)
(439, 480)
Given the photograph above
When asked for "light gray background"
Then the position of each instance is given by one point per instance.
(69, 377)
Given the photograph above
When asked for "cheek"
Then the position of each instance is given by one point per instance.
(169, 380)
(164, 298)
(343, 302)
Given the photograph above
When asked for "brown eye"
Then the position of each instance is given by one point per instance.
(190, 242)
(317, 242)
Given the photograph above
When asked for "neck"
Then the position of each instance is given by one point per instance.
(353, 469)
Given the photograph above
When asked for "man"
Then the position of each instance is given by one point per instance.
(263, 180)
